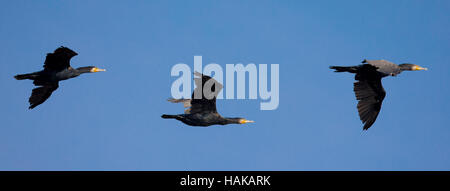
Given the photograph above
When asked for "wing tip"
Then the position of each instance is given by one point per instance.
(32, 106)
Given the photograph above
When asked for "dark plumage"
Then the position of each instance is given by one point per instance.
(56, 68)
(368, 88)
(202, 111)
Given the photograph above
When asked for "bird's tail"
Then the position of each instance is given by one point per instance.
(169, 116)
(351, 69)
(24, 76)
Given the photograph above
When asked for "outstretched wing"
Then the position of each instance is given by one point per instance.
(204, 96)
(59, 59)
(42, 93)
(370, 94)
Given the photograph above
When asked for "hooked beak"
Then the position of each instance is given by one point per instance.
(417, 68)
(246, 121)
(98, 70)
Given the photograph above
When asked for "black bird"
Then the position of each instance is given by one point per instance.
(368, 89)
(56, 68)
(202, 111)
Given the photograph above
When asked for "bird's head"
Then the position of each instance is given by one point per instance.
(411, 67)
(90, 69)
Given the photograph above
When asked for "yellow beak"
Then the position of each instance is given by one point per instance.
(416, 68)
(246, 121)
(97, 70)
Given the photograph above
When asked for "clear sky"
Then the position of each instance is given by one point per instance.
(111, 120)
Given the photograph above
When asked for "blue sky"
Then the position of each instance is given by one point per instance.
(111, 120)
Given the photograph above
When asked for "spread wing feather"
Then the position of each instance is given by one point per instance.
(204, 95)
(59, 59)
(42, 93)
(370, 95)
(202, 100)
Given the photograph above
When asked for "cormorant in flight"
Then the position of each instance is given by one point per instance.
(56, 68)
(202, 111)
(368, 89)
